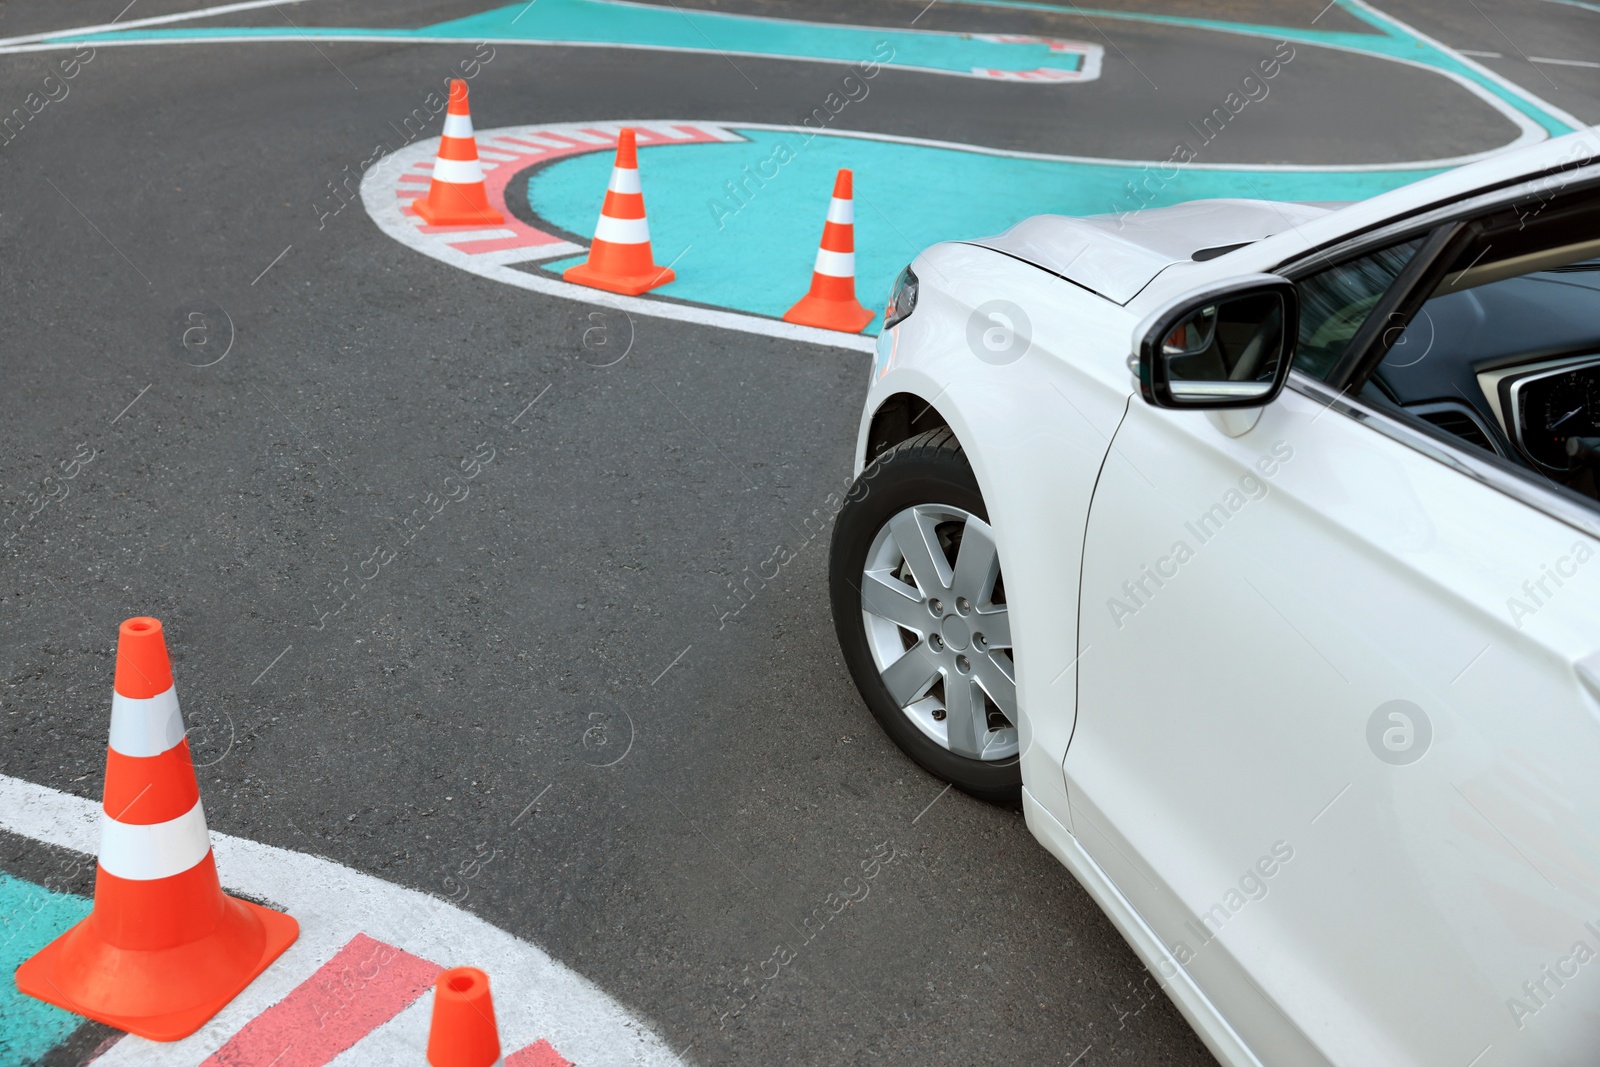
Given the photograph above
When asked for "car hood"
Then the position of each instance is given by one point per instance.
(1117, 255)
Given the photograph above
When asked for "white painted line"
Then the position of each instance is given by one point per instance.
(491, 235)
(1284, 168)
(510, 42)
(1504, 82)
(528, 255)
(1563, 62)
(464, 234)
(535, 996)
(1578, 4)
(1531, 131)
(669, 130)
(154, 20)
(544, 142)
(586, 137)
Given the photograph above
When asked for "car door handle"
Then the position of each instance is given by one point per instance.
(1588, 669)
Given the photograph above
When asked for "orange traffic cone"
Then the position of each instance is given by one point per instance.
(456, 197)
(164, 949)
(831, 303)
(463, 1031)
(619, 259)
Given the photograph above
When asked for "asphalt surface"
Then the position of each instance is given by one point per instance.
(568, 613)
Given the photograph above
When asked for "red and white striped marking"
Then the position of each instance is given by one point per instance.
(352, 991)
(1093, 56)
(389, 187)
(503, 154)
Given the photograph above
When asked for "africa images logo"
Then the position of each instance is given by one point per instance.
(1399, 732)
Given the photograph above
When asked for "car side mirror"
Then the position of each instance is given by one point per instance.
(1227, 348)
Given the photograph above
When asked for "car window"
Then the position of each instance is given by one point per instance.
(1335, 302)
(1505, 355)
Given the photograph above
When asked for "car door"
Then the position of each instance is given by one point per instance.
(1350, 785)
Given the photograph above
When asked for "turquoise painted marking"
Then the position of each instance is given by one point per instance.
(759, 259)
(31, 916)
(611, 22)
(1391, 40)
(647, 26)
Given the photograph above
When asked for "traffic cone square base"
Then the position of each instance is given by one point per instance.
(847, 314)
(626, 284)
(457, 210)
(117, 986)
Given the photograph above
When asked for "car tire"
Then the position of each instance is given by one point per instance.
(925, 485)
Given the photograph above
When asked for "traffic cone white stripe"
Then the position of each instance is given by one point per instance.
(624, 180)
(144, 853)
(458, 126)
(843, 211)
(458, 171)
(622, 231)
(836, 264)
(146, 727)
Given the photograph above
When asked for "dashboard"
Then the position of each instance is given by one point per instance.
(1544, 409)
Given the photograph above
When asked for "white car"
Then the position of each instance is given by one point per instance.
(1301, 683)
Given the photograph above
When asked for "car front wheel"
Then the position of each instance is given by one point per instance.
(919, 606)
